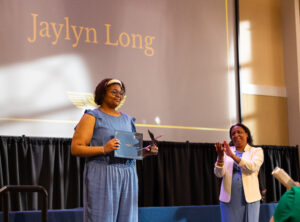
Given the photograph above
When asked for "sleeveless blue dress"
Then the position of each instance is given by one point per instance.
(238, 210)
(110, 185)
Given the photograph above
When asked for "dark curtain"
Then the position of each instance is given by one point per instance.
(182, 173)
(41, 161)
(284, 157)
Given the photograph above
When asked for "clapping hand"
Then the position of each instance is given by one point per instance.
(220, 150)
(227, 149)
(223, 148)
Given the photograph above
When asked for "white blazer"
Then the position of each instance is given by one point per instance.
(250, 164)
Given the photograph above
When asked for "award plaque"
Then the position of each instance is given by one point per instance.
(131, 145)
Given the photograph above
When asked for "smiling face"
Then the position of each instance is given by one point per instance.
(239, 137)
(113, 96)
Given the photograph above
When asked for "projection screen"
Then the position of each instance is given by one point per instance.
(176, 58)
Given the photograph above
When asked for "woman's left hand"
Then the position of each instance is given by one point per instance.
(152, 150)
(228, 151)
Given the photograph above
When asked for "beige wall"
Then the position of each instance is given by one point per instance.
(261, 115)
(264, 108)
(291, 45)
(266, 58)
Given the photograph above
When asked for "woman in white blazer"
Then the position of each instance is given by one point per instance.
(239, 166)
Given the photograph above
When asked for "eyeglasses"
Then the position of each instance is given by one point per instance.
(116, 92)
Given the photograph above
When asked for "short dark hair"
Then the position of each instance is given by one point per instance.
(249, 139)
(100, 90)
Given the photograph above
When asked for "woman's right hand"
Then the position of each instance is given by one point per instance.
(220, 150)
(111, 145)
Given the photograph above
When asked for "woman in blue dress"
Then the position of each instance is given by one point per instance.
(239, 167)
(110, 184)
